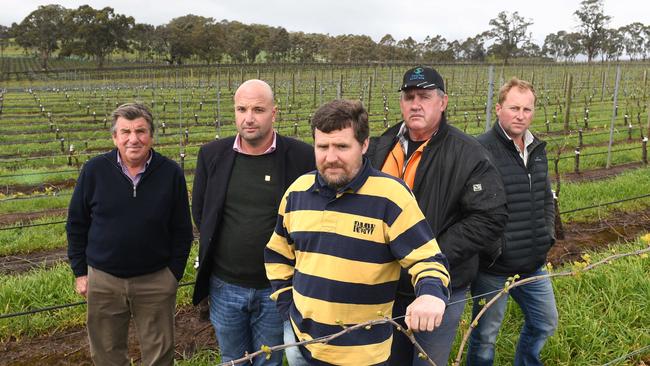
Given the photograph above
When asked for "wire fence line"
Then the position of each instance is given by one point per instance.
(625, 357)
(561, 212)
(61, 306)
(509, 285)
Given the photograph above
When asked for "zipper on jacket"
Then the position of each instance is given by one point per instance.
(119, 168)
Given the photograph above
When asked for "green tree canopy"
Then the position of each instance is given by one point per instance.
(97, 33)
(593, 23)
(41, 30)
(509, 32)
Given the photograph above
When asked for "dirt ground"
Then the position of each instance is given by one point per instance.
(70, 346)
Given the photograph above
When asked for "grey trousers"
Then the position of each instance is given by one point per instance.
(150, 300)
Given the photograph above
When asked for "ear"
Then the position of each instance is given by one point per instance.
(445, 101)
(364, 147)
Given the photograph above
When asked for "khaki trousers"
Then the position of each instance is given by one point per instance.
(149, 300)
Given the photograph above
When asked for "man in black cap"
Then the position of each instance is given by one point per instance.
(458, 189)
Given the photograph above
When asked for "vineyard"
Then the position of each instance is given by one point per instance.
(595, 118)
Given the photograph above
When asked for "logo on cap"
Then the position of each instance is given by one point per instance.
(417, 74)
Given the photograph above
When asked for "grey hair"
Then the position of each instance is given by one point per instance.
(132, 111)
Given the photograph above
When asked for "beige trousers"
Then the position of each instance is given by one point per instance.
(149, 300)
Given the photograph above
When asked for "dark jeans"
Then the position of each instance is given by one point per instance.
(244, 320)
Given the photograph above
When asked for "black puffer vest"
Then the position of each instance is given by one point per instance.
(529, 233)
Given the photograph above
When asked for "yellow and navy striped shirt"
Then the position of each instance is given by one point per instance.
(334, 259)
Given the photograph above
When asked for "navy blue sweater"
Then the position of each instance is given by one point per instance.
(127, 231)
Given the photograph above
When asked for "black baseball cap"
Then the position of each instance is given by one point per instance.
(422, 77)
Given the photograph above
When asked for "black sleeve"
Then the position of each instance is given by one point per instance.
(77, 226)
(483, 204)
(198, 188)
(180, 228)
(549, 209)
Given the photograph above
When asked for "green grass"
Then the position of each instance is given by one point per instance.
(37, 176)
(600, 314)
(600, 311)
(626, 185)
(38, 203)
(41, 288)
(26, 240)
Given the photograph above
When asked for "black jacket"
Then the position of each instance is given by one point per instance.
(127, 231)
(529, 233)
(461, 195)
(211, 179)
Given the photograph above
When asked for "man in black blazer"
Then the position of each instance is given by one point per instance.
(238, 185)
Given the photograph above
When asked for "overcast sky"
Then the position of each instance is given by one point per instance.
(454, 20)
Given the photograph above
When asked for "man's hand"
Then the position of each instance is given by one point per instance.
(425, 313)
(81, 285)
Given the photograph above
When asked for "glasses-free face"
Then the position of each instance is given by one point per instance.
(133, 140)
(338, 156)
(516, 112)
(422, 111)
(254, 115)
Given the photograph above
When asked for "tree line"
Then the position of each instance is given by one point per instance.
(99, 33)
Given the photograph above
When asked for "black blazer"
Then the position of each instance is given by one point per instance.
(211, 179)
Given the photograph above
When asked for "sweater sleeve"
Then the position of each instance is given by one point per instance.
(280, 262)
(180, 228)
(78, 224)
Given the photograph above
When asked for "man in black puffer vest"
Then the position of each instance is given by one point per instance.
(521, 160)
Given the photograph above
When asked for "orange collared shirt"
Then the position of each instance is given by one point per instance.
(395, 164)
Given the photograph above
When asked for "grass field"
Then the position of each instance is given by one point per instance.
(51, 123)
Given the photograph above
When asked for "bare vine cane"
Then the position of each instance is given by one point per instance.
(325, 339)
(579, 267)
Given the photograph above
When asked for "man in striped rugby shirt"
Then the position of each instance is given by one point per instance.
(343, 234)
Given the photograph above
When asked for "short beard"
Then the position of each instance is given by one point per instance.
(337, 184)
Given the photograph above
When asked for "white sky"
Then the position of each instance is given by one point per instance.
(454, 20)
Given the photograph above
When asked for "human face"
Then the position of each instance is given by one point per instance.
(516, 112)
(133, 140)
(254, 116)
(338, 156)
(422, 111)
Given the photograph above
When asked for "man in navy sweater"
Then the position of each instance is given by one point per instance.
(129, 236)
